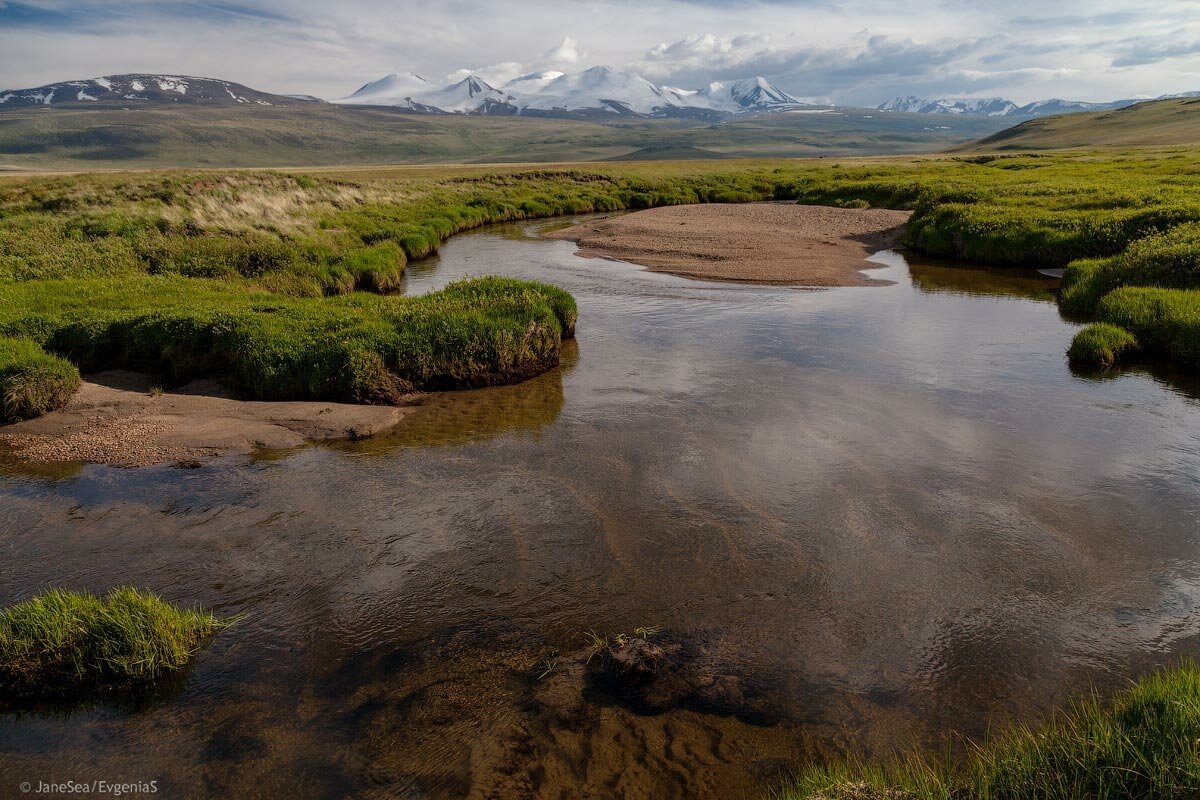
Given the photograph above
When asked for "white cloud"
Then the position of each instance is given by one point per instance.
(567, 53)
(852, 50)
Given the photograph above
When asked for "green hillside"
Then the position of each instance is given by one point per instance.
(1157, 123)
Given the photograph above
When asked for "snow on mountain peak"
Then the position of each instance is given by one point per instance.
(393, 89)
(598, 89)
(533, 82)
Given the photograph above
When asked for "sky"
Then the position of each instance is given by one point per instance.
(857, 52)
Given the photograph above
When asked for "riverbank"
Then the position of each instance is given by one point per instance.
(770, 243)
(121, 418)
(1140, 744)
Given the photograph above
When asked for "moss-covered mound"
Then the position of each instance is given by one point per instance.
(32, 381)
(361, 347)
(1101, 346)
(1145, 744)
(66, 644)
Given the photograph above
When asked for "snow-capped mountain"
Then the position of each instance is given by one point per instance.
(999, 107)
(600, 88)
(990, 107)
(471, 95)
(595, 91)
(751, 93)
(142, 89)
(1054, 106)
(397, 89)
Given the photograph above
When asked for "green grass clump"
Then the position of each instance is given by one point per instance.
(1143, 744)
(62, 643)
(1101, 346)
(1084, 282)
(361, 347)
(1165, 321)
(1169, 260)
(32, 381)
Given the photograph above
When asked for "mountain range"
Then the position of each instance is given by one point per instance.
(999, 107)
(599, 90)
(597, 93)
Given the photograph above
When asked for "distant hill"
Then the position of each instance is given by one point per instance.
(140, 91)
(999, 107)
(669, 153)
(303, 134)
(1149, 124)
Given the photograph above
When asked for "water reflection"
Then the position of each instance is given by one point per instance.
(449, 418)
(932, 276)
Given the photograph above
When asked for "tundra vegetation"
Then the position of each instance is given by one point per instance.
(1141, 744)
(283, 283)
(61, 644)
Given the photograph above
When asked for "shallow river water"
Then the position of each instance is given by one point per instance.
(871, 516)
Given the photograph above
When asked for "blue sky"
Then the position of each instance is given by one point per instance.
(851, 51)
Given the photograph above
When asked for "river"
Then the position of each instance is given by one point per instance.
(871, 516)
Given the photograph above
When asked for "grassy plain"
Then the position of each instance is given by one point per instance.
(279, 281)
(326, 135)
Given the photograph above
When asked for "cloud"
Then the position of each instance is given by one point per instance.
(866, 61)
(566, 53)
(854, 51)
(565, 56)
(1138, 52)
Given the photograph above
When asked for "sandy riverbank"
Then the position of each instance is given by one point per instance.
(115, 419)
(772, 243)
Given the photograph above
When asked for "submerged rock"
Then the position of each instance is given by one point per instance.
(636, 660)
(652, 677)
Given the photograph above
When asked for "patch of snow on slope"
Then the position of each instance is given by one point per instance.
(167, 84)
(532, 83)
(84, 96)
(104, 82)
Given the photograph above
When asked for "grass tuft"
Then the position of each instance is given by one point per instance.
(32, 381)
(62, 643)
(1144, 743)
(1101, 346)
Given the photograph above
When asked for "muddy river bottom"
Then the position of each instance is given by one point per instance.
(865, 516)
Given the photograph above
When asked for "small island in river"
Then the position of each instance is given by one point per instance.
(771, 243)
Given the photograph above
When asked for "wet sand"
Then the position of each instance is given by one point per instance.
(769, 243)
(115, 419)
